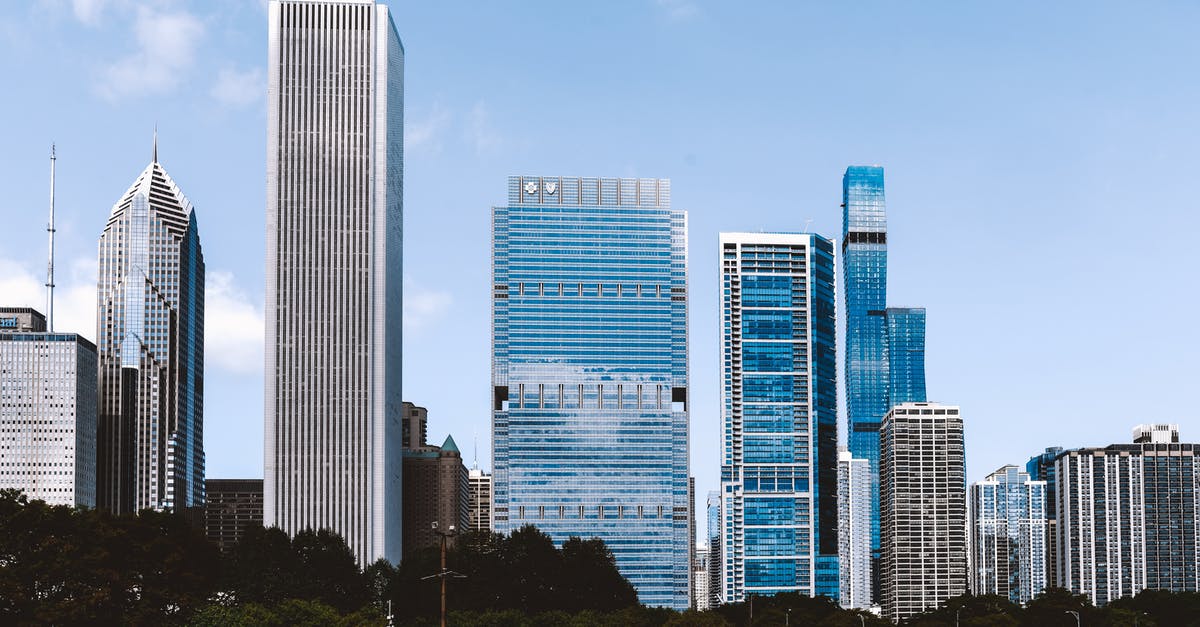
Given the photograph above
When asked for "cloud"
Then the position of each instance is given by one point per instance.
(88, 11)
(422, 306)
(479, 130)
(426, 133)
(678, 10)
(237, 89)
(166, 50)
(233, 326)
(21, 285)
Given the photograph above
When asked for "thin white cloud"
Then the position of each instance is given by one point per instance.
(678, 10)
(238, 89)
(166, 43)
(423, 306)
(88, 11)
(479, 130)
(233, 326)
(425, 134)
(21, 285)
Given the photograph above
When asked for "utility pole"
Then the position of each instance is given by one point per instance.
(444, 574)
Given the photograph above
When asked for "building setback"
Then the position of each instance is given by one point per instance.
(779, 402)
(47, 411)
(332, 439)
(150, 345)
(589, 372)
(923, 506)
(1127, 516)
(854, 531)
(233, 506)
(1008, 542)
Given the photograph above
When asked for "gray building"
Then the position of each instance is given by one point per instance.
(1127, 516)
(47, 411)
(232, 506)
(923, 508)
(150, 344)
(1008, 535)
(479, 500)
(332, 455)
(854, 531)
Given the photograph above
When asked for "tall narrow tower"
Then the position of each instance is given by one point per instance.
(332, 451)
(150, 344)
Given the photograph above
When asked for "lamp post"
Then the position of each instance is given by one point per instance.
(787, 616)
(862, 621)
(1076, 615)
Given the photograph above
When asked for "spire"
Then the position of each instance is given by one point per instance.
(50, 261)
(155, 143)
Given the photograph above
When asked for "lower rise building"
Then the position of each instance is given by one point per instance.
(854, 531)
(1127, 516)
(436, 486)
(923, 509)
(1008, 527)
(232, 507)
(47, 411)
(479, 498)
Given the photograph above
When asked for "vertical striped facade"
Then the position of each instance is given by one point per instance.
(332, 451)
(150, 347)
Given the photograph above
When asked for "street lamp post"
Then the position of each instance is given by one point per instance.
(862, 621)
(1076, 615)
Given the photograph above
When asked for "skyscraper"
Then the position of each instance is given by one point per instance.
(885, 347)
(1127, 516)
(713, 514)
(233, 506)
(479, 500)
(854, 531)
(47, 411)
(864, 279)
(335, 102)
(779, 403)
(150, 344)
(589, 371)
(905, 354)
(923, 503)
(1008, 527)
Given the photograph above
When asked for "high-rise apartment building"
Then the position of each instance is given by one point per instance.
(701, 599)
(1041, 468)
(713, 544)
(47, 411)
(854, 531)
(1127, 516)
(590, 372)
(479, 500)
(436, 492)
(922, 474)
(1008, 533)
(233, 506)
(335, 104)
(779, 403)
(150, 345)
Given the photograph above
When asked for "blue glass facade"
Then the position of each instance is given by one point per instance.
(864, 268)
(906, 355)
(779, 399)
(590, 422)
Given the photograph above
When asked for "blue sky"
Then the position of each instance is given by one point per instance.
(1040, 166)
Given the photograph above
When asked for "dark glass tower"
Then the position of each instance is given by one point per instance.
(150, 344)
(906, 355)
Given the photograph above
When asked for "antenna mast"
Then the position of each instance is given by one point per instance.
(50, 263)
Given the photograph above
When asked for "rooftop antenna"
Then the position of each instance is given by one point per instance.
(155, 142)
(475, 464)
(50, 263)
(806, 223)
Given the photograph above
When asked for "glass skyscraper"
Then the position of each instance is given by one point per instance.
(590, 372)
(1008, 531)
(150, 346)
(885, 348)
(334, 273)
(779, 403)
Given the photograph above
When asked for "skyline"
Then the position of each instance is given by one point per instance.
(1097, 128)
